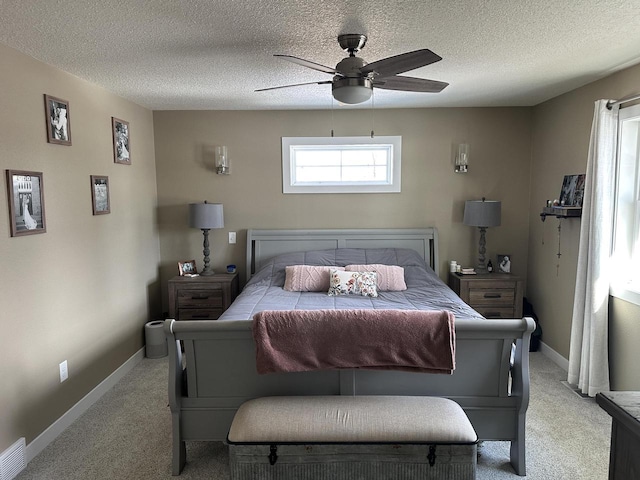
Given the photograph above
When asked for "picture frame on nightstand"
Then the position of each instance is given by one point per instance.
(504, 263)
(187, 268)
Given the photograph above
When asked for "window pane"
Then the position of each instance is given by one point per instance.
(341, 164)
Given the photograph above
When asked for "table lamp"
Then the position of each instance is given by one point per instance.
(482, 214)
(206, 216)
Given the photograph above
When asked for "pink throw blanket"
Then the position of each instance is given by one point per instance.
(302, 340)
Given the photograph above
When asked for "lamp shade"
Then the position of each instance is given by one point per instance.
(206, 215)
(482, 213)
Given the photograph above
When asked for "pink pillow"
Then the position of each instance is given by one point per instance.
(307, 278)
(390, 277)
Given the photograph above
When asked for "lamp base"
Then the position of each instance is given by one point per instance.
(207, 273)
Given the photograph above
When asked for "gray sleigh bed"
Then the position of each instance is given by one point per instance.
(212, 368)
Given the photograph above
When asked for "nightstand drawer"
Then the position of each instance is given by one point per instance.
(494, 296)
(200, 313)
(495, 312)
(200, 299)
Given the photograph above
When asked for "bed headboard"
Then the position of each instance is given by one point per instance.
(265, 244)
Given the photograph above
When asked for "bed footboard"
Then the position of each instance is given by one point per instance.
(219, 374)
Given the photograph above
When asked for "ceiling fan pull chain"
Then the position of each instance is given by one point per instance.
(373, 115)
(332, 116)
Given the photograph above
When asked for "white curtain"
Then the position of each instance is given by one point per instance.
(589, 354)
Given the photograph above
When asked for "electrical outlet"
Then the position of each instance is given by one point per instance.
(64, 371)
(232, 237)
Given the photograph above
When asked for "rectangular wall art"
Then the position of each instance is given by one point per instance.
(26, 202)
(100, 195)
(121, 141)
(58, 120)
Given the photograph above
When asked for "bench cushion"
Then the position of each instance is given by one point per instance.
(359, 419)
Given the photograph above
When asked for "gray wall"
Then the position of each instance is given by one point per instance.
(82, 291)
(432, 194)
(560, 140)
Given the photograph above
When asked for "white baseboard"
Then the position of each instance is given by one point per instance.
(554, 356)
(50, 434)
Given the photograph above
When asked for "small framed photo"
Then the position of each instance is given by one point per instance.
(187, 268)
(100, 195)
(504, 263)
(121, 141)
(26, 202)
(58, 120)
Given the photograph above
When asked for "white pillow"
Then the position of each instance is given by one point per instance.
(352, 283)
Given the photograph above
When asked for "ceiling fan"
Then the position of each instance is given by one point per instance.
(354, 79)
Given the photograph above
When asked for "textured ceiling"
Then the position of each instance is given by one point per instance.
(197, 54)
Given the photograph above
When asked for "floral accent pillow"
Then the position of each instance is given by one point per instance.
(390, 277)
(352, 283)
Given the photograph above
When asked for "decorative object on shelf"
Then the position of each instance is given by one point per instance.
(504, 263)
(572, 191)
(482, 214)
(206, 216)
(100, 195)
(222, 161)
(571, 196)
(231, 268)
(26, 202)
(489, 267)
(187, 268)
(462, 158)
(121, 141)
(58, 120)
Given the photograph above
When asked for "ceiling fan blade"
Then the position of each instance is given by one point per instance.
(294, 85)
(401, 63)
(410, 84)
(308, 64)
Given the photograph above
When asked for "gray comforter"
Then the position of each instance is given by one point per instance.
(425, 290)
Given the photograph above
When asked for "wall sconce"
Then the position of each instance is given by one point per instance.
(462, 158)
(222, 161)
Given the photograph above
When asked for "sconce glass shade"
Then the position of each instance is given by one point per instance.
(222, 160)
(462, 158)
(206, 216)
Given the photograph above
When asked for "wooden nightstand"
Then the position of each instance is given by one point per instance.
(493, 295)
(201, 298)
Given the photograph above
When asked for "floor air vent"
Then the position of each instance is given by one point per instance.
(12, 460)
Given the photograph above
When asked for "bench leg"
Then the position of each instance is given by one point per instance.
(179, 449)
(518, 451)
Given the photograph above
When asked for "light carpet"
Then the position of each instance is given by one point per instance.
(127, 435)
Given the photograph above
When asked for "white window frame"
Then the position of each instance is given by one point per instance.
(625, 279)
(393, 184)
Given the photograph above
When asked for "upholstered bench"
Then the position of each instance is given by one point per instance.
(347, 438)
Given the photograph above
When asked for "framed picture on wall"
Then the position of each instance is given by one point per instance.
(26, 202)
(187, 268)
(121, 141)
(504, 263)
(100, 195)
(572, 192)
(58, 120)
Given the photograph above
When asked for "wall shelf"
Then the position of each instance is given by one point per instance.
(561, 212)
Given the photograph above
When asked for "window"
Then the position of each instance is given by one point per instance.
(626, 242)
(341, 164)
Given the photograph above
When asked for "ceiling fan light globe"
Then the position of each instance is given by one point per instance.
(352, 90)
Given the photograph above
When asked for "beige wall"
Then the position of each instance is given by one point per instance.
(81, 291)
(432, 194)
(560, 139)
